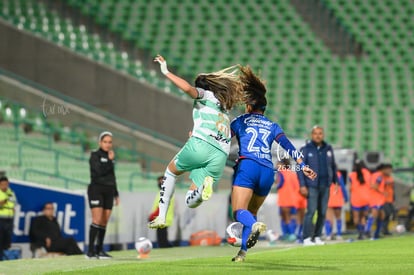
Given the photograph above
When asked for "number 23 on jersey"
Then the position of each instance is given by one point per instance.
(256, 145)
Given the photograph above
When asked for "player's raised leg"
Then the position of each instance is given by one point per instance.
(166, 192)
(212, 162)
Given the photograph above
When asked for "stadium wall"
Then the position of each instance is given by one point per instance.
(96, 84)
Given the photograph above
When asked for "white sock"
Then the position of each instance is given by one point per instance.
(166, 192)
(193, 198)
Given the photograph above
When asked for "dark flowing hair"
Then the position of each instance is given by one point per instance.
(358, 166)
(224, 84)
(254, 89)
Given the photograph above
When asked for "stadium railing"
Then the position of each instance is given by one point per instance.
(109, 116)
(67, 181)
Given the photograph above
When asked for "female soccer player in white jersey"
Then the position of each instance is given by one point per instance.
(206, 151)
(254, 173)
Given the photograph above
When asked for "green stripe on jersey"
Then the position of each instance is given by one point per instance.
(210, 123)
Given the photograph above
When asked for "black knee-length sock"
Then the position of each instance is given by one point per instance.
(93, 232)
(101, 237)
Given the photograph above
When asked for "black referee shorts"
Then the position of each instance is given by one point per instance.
(101, 196)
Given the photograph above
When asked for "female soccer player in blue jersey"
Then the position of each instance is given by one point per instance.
(254, 173)
(206, 151)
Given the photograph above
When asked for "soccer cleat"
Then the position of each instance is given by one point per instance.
(193, 198)
(240, 257)
(257, 228)
(338, 238)
(91, 255)
(207, 188)
(318, 241)
(308, 242)
(157, 223)
(102, 255)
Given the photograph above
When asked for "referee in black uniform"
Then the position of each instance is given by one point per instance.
(102, 192)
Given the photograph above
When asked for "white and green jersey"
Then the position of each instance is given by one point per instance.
(211, 124)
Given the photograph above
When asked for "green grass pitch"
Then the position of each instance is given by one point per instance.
(386, 256)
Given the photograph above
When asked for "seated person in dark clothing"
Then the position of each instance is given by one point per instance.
(45, 232)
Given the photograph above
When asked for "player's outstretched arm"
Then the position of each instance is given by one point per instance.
(178, 81)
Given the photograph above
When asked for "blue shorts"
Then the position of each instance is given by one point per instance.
(250, 174)
(379, 207)
(362, 208)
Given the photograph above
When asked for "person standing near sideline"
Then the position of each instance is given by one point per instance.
(7, 203)
(360, 179)
(287, 189)
(377, 199)
(319, 156)
(102, 193)
(338, 196)
(389, 208)
(301, 206)
(162, 233)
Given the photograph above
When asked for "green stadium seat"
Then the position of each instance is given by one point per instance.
(300, 68)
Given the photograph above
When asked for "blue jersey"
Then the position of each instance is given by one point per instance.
(255, 134)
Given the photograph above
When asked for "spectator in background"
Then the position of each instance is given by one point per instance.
(377, 199)
(319, 156)
(7, 203)
(301, 205)
(410, 210)
(337, 197)
(389, 208)
(45, 232)
(288, 187)
(162, 233)
(360, 179)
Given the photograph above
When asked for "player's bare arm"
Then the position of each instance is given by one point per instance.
(178, 81)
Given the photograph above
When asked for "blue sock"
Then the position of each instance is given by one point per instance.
(377, 230)
(328, 228)
(292, 226)
(300, 231)
(370, 221)
(360, 228)
(245, 235)
(285, 228)
(246, 218)
(339, 227)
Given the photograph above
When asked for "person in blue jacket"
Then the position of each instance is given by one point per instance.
(319, 156)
